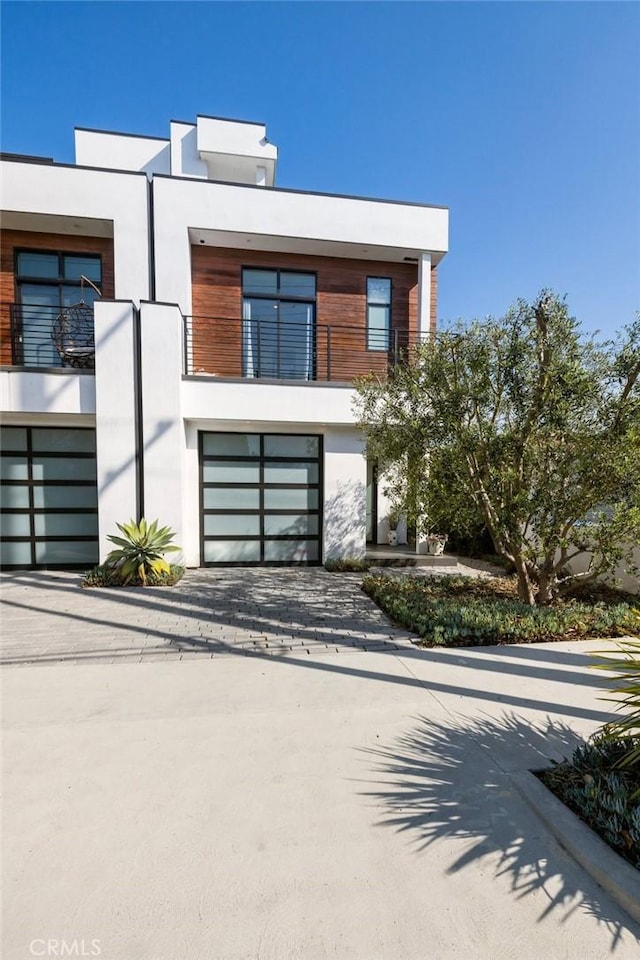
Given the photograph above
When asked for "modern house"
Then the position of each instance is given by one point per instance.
(179, 339)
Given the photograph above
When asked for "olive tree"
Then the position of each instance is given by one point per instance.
(522, 422)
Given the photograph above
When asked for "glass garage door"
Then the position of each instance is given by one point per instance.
(260, 498)
(48, 497)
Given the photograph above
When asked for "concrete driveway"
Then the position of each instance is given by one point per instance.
(353, 805)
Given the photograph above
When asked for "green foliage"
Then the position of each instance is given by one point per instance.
(104, 576)
(347, 565)
(627, 696)
(141, 550)
(524, 426)
(604, 794)
(463, 611)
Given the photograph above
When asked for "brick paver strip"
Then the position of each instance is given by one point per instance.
(48, 618)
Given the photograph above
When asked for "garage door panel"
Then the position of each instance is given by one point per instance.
(60, 468)
(232, 525)
(14, 468)
(66, 525)
(62, 496)
(290, 499)
(232, 551)
(281, 525)
(231, 498)
(14, 497)
(278, 446)
(291, 551)
(231, 444)
(45, 440)
(231, 472)
(302, 473)
(15, 553)
(65, 552)
(13, 438)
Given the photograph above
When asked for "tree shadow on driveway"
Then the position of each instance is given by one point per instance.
(448, 781)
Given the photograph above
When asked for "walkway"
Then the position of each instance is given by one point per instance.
(47, 618)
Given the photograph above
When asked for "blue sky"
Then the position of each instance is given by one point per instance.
(523, 118)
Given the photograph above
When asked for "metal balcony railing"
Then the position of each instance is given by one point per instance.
(52, 336)
(266, 349)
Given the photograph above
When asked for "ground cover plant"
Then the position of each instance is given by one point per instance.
(104, 576)
(347, 565)
(464, 611)
(604, 792)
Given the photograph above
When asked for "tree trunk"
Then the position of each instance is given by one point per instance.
(526, 592)
(547, 584)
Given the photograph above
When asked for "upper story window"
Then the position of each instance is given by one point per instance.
(60, 273)
(378, 313)
(278, 310)
(46, 282)
(283, 284)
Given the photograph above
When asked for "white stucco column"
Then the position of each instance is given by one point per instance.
(163, 439)
(345, 486)
(424, 294)
(115, 416)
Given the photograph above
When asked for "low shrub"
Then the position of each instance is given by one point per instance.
(602, 792)
(459, 611)
(108, 576)
(347, 565)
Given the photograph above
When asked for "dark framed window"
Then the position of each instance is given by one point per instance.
(57, 271)
(278, 313)
(47, 281)
(378, 313)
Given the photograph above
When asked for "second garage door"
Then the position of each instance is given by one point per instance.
(260, 498)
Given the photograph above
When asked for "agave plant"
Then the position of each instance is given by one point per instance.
(141, 550)
(627, 696)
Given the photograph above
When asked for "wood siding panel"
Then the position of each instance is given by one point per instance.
(12, 240)
(341, 305)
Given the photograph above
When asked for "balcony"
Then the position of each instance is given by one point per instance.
(257, 349)
(47, 336)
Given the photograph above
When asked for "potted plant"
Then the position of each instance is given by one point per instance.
(436, 543)
(393, 528)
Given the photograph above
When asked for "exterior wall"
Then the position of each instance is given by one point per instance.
(115, 379)
(12, 240)
(283, 220)
(624, 580)
(64, 392)
(345, 484)
(306, 405)
(341, 303)
(118, 200)
(163, 437)
(119, 151)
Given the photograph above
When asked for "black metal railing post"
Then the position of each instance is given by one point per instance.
(328, 353)
(185, 337)
(259, 350)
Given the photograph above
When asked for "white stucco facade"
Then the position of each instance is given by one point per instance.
(209, 182)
